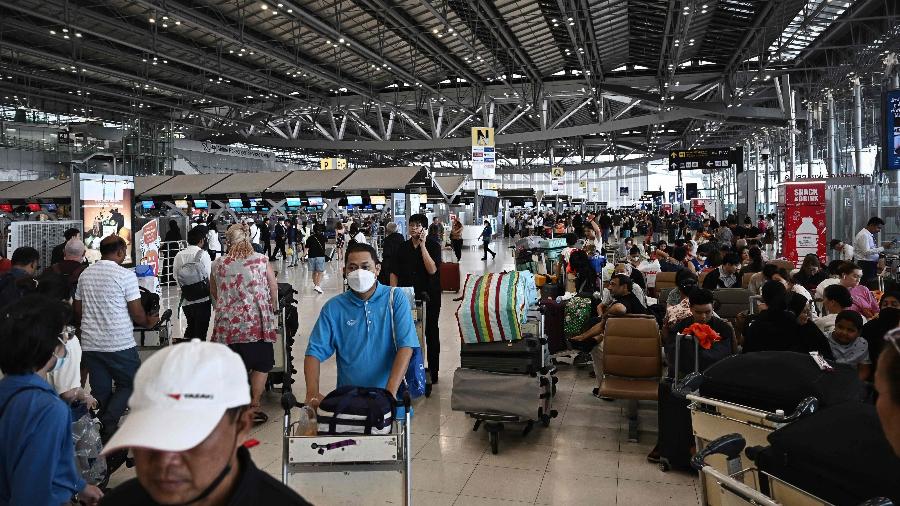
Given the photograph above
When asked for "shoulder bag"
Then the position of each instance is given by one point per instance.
(415, 380)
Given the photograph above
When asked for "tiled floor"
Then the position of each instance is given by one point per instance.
(583, 458)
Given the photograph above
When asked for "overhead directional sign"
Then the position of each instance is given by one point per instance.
(333, 163)
(706, 158)
(484, 155)
(557, 172)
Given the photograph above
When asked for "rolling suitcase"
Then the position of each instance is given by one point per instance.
(839, 454)
(779, 380)
(675, 433)
(449, 274)
(525, 356)
(554, 318)
(521, 395)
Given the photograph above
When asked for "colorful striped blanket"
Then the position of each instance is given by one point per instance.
(494, 306)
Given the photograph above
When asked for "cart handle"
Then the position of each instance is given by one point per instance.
(806, 407)
(407, 400)
(688, 384)
(288, 401)
(729, 445)
(163, 318)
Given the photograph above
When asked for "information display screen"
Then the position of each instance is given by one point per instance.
(354, 200)
(200, 204)
(293, 202)
(181, 204)
(378, 199)
(892, 130)
(235, 203)
(315, 201)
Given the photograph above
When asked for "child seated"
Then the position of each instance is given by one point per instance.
(846, 344)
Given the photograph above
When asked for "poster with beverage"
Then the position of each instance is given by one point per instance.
(106, 209)
(804, 226)
(149, 245)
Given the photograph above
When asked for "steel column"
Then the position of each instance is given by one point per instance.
(831, 161)
(857, 126)
(810, 148)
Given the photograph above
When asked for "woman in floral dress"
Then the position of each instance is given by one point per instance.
(245, 294)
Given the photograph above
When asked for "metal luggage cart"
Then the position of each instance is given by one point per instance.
(348, 455)
(494, 423)
(156, 337)
(739, 486)
(417, 306)
(712, 419)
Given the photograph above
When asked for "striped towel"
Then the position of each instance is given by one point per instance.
(494, 306)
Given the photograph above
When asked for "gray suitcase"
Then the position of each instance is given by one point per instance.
(521, 395)
(525, 356)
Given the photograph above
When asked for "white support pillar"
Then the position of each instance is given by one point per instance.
(831, 161)
(857, 126)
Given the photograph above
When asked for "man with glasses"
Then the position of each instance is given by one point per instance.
(108, 302)
(372, 348)
(417, 264)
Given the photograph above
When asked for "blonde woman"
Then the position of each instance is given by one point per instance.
(245, 293)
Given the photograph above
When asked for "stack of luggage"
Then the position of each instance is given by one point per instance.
(505, 362)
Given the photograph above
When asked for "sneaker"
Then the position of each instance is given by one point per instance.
(596, 393)
(317, 288)
(260, 417)
(653, 456)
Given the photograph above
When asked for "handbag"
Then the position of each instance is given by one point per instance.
(414, 382)
(356, 410)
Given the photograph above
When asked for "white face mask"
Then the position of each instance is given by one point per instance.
(361, 280)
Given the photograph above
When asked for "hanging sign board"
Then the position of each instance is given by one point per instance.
(623, 191)
(709, 158)
(333, 163)
(484, 159)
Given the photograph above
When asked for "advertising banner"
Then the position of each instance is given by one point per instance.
(803, 209)
(148, 245)
(106, 208)
(484, 160)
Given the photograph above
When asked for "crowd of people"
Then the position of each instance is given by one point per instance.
(68, 343)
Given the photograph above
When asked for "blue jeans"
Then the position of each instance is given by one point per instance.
(107, 369)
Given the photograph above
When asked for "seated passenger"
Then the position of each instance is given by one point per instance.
(887, 383)
(190, 416)
(755, 262)
(810, 273)
(847, 346)
(836, 298)
(778, 326)
(726, 275)
(701, 303)
(357, 328)
(864, 301)
(37, 464)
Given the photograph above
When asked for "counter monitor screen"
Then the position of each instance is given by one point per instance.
(147, 204)
(201, 204)
(354, 200)
(51, 208)
(181, 204)
(293, 202)
(378, 199)
(34, 207)
(6, 208)
(235, 203)
(315, 201)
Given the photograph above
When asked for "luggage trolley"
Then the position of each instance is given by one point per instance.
(284, 339)
(711, 419)
(346, 455)
(494, 423)
(418, 314)
(160, 333)
(739, 486)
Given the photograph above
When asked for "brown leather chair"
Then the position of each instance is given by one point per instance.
(632, 364)
(664, 280)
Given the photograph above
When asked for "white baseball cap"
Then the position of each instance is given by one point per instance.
(180, 394)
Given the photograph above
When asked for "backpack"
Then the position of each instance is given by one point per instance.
(12, 289)
(577, 315)
(193, 278)
(149, 301)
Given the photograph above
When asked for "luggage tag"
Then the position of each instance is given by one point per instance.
(821, 362)
(337, 445)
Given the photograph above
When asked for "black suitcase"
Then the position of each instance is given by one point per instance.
(550, 291)
(840, 455)
(779, 380)
(525, 356)
(675, 432)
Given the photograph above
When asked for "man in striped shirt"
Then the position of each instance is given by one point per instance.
(109, 303)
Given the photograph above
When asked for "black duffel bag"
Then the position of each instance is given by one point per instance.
(779, 380)
(840, 455)
(357, 410)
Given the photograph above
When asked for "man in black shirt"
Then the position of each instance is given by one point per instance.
(198, 458)
(416, 264)
(265, 238)
(280, 235)
(389, 247)
(58, 253)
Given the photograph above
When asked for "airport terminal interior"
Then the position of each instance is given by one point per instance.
(647, 252)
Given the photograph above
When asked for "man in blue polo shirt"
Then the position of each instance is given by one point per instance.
(356, 327)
